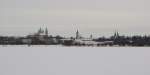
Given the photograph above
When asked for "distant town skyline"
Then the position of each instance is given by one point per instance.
(64, 17)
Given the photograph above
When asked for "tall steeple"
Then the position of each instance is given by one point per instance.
(46, 31)
(77, 35)
(116, 35)
(40, 31)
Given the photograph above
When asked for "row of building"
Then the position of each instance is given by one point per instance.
(42, 37)
(81, 41)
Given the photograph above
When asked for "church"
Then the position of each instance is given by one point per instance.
(40, 37)
(82, 41)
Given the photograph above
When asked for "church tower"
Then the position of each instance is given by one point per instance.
(116, 35)
(40, 30)
(46, 31)
(77, 35)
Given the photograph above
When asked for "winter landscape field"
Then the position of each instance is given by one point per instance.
(53, 60)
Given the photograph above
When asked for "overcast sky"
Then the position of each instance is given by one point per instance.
(63, 17)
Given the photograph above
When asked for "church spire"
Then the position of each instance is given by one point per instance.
(116, 35)
(40, 30)
(46, 31)
(77, 35)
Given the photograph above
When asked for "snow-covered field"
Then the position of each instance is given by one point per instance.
(53, 60)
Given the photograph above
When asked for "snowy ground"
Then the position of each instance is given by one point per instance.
(52, 60)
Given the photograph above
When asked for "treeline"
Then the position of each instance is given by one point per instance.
(127, 40)
(54, 40)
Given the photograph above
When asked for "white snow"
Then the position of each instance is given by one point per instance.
(52, 60)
